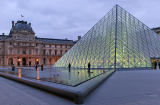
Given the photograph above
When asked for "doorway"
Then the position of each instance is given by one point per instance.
(30, 63)
(156, 64)
(24, 61)
(10, 62)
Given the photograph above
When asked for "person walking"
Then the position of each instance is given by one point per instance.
(69, 67)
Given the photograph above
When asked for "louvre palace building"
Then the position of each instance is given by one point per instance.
(22, 48)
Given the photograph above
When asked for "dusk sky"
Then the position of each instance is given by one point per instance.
(70, 18)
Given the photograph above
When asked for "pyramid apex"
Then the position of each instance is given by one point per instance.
(117, 5)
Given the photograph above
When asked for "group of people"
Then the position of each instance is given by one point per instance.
(41, 67)
(36, 67)
(89, 67)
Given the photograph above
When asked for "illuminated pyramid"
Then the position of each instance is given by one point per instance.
(118, 40)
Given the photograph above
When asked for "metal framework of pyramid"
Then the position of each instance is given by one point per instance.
(118, 40)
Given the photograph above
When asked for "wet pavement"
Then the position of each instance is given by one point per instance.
(65, 77)
(122, 88)
(128, 88)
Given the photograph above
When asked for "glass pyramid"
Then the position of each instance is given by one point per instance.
(118, 40)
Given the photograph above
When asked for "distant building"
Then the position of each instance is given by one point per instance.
(157, 30)
(22, 48)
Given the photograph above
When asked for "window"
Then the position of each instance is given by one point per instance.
(50, 52)
(61, 52)
(50, 60)
(10, 43)
(23, 44)
(18, 63)
(30, 51)
(44, 60)
(30, 63)
(66, 46)
(61, 46)
(55, 46)
(36, 44)
(36, 51)
(44, 45)
(44, 52)
(55, 52)
(18, 51)
(24, 51)
(10, 51)
(50, 45)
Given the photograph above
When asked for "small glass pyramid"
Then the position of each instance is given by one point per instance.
(118, 40)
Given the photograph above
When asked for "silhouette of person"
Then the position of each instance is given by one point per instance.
(42, 67)
(36, 67)
(69, 67)
(89, 66)
(13, 67)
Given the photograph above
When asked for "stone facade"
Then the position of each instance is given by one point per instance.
(22, 48)
(157, 30)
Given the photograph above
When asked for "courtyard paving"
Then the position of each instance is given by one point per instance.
(122, 88)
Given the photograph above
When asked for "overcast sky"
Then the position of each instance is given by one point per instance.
(70, 18)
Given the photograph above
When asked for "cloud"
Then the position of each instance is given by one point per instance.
(68, 19)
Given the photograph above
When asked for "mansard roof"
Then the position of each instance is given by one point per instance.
(22, 26)
(3, 37)
(56, 41)
(44, 40)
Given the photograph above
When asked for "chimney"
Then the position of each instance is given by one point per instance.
(29, 24)
(12, 24)
(79, 37)
(2, 33)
